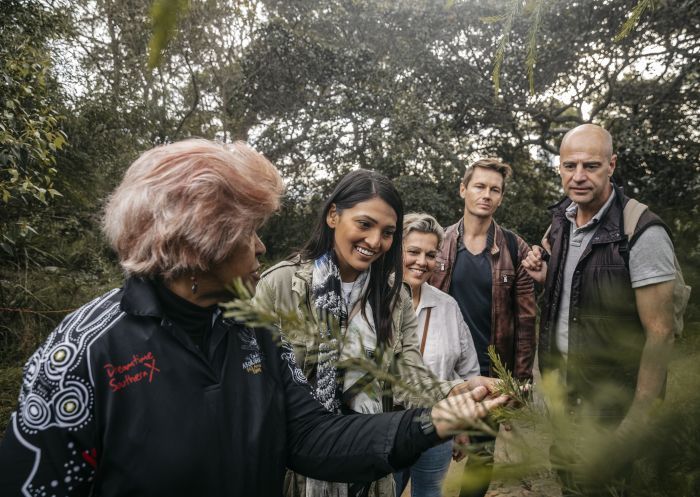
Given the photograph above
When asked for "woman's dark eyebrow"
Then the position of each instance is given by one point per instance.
(365, 216)
(370, 218)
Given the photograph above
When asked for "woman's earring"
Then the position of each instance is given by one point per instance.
(193, 279)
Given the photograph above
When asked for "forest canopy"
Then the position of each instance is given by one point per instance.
(322, 87)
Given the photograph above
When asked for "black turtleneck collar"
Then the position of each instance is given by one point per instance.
(181, 311)
(150, 297)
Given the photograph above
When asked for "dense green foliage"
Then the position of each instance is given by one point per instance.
(30, 134)
(322, 87)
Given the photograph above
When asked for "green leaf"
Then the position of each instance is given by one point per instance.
(492, 19)
(59, 141)
(635, 16)
(164, 16)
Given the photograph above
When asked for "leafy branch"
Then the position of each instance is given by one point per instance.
(507, 20)
(536, 9)
(519, 392)
(301, 327)
(396, 378)
(536, 16)
(636, 15)
(30, 137)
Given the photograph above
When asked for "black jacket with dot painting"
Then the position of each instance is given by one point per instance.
(119, 402)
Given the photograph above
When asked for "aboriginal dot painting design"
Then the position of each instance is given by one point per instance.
(55, 395)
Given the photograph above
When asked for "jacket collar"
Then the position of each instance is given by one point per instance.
(609, 229)
(428, 297)
(302, 276)
(497, 235)
(139, 298)
(572, 210)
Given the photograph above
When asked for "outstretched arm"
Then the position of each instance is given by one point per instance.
(362, 447)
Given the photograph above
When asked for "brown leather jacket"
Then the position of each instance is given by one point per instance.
(512, 308)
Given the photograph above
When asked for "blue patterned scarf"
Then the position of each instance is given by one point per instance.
(335, 313)
(332, 312)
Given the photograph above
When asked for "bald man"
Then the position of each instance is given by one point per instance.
(606, 321)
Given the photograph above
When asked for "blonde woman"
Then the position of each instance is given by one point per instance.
(446, 345)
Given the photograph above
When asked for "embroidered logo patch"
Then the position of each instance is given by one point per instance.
(252, 362)
(140, 368)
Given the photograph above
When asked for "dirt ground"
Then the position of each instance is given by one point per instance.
(540, 485)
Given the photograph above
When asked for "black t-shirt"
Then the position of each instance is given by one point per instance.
(471, 288)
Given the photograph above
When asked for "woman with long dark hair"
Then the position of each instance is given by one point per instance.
(348, 279)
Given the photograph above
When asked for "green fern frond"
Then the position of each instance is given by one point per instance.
(635, 16)
(535, 22)
(508, 19)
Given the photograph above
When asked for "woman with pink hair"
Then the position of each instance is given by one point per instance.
(148, 390)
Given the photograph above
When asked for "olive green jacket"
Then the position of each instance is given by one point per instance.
(286, 288)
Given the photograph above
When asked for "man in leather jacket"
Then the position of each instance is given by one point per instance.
(482, 271)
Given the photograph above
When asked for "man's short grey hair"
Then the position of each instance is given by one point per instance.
(423, 223)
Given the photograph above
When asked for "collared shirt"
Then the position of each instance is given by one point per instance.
(449, 348)
(579, 238)
(471, 287)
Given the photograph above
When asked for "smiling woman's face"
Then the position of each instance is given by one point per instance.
(420, 252)
(362, 234)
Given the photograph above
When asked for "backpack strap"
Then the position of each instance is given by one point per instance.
(512, 242)
(681, 292)
(425, 331)
(631, 213)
